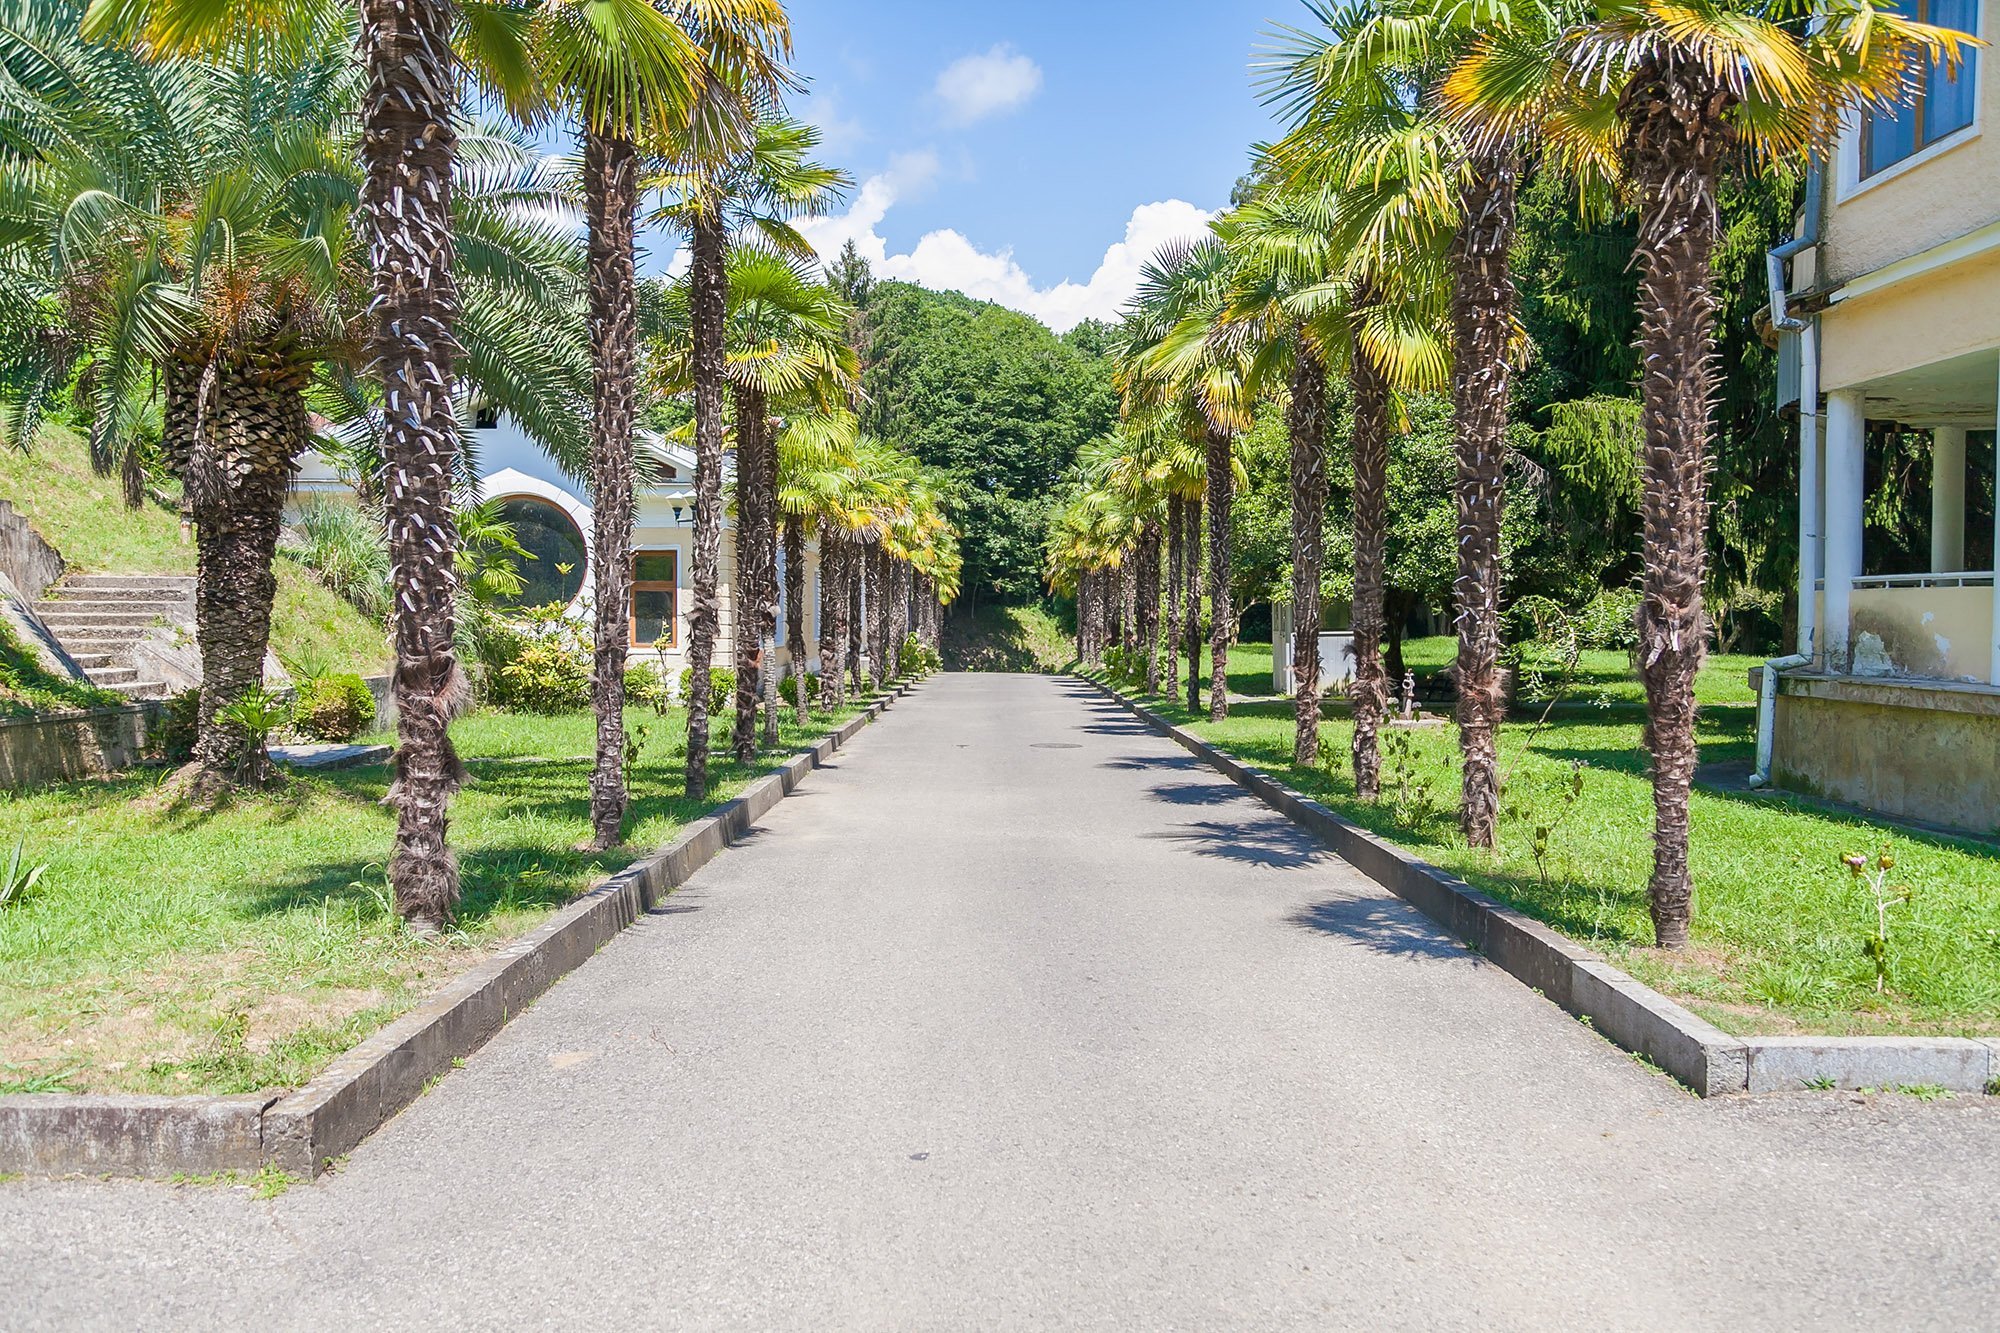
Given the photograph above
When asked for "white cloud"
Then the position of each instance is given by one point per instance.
(837, 133)
(946, 261)
(977, 86)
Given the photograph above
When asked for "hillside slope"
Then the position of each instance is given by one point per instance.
(82, 515)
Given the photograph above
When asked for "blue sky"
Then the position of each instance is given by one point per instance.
(1004, 148)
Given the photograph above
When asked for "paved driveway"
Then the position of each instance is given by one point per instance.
(1020, 1018)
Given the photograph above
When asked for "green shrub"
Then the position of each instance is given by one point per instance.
(537, 661)
(916, 658)
(174, 731)
(1610, 620)
(334, 707)
(721, 688)
(644, 685)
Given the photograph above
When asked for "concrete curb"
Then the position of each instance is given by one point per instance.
(1633, 1015)
(49, 1134)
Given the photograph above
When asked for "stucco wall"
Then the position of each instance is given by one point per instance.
(1876, 223)
(1858, 743)
(1938, 632)
(1936, 317)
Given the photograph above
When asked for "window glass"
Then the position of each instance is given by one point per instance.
(545, 532)
(653, 567)
(1944, 99)
(652, 616)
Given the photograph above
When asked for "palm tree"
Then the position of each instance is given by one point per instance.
(204, 215)
(815, 466)
(1360, 95)
(1679, 96)
(1175, 357)
(719, 182)
(624, 71)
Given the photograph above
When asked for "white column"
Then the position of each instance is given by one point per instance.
(1846, 432)
(1993, 673)
(1947, 499)
(1809, 489)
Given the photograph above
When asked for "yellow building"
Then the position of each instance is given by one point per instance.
(1890, 302)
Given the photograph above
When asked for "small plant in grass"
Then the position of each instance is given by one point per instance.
(257, 713)
(635, 743)
(1882, 897)
(1925, 1092)
(1413, 799)
(1542, 843)
(16, 883)
(645, 686)
(721, 689)
(271, 1181)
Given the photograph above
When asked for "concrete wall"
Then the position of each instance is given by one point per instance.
(1928, 754)
(1942, 633)
(35, 751)
(1904, 211)
(1940, 315)
(28, 562)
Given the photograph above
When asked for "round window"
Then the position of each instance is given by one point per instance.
(544, 531)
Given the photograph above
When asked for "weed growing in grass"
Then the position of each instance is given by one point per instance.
(1882, 897)
(14, 885)
(1925, 1092)
(58, 1081)
(271, 1181)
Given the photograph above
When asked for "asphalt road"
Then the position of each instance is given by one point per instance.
(1020, 1018)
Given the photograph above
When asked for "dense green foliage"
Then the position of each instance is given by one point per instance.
(997, 402)
(334, 707)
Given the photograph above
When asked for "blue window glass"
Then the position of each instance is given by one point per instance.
(1943, 101)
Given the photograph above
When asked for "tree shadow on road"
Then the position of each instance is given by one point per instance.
(1136, 763)
(1199, 793)
(1263, 842)
(1377, 924)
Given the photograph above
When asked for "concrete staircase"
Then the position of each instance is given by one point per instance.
(100, 620)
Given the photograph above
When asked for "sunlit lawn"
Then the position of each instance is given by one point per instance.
(179, 951)
(1779, 924)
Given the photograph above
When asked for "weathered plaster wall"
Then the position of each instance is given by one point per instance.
(1932, 318)
(1929, 755)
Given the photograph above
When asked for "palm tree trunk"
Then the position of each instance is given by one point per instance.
(407, 150)
(1191, 554)
(1308, 431)
(1149, 601)
(795, 615)
(1222, 619)
(1174, 556)
(1371, 520)
(709, 275)
(611, 190)
(1678, 138)
(1482, 309)
(754, 572)
(899, 613)
(233, 430)
(832, 621)
(877, 596)
(857, 613)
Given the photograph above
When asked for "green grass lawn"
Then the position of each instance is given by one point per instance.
(1779, 924)
(178, 951)
(83, 516)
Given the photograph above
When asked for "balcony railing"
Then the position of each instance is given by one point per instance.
(1970, 578)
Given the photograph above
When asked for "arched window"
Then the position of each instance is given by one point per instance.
(548, 534)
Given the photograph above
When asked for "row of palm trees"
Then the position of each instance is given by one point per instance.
(373, 276)
(1374, 244)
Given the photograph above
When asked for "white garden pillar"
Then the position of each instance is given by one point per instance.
(1846, 432)
(1947, 499)
(1811, 547)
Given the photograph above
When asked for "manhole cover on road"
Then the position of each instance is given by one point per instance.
(1055, 745)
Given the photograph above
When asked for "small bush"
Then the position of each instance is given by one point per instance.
(721, 688)
(1610, 620)
(179, 722)
(644, 685)
(538, 662)
(916, 658)
(334, 707)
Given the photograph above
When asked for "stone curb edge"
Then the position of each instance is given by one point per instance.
(1620, 1008)
(56, 1134)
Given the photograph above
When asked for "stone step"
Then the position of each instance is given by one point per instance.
(100, 638)
(89, 660)
(142, 689)
(112, 675)
(65, 596)
(138, 581)
(60, 615)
